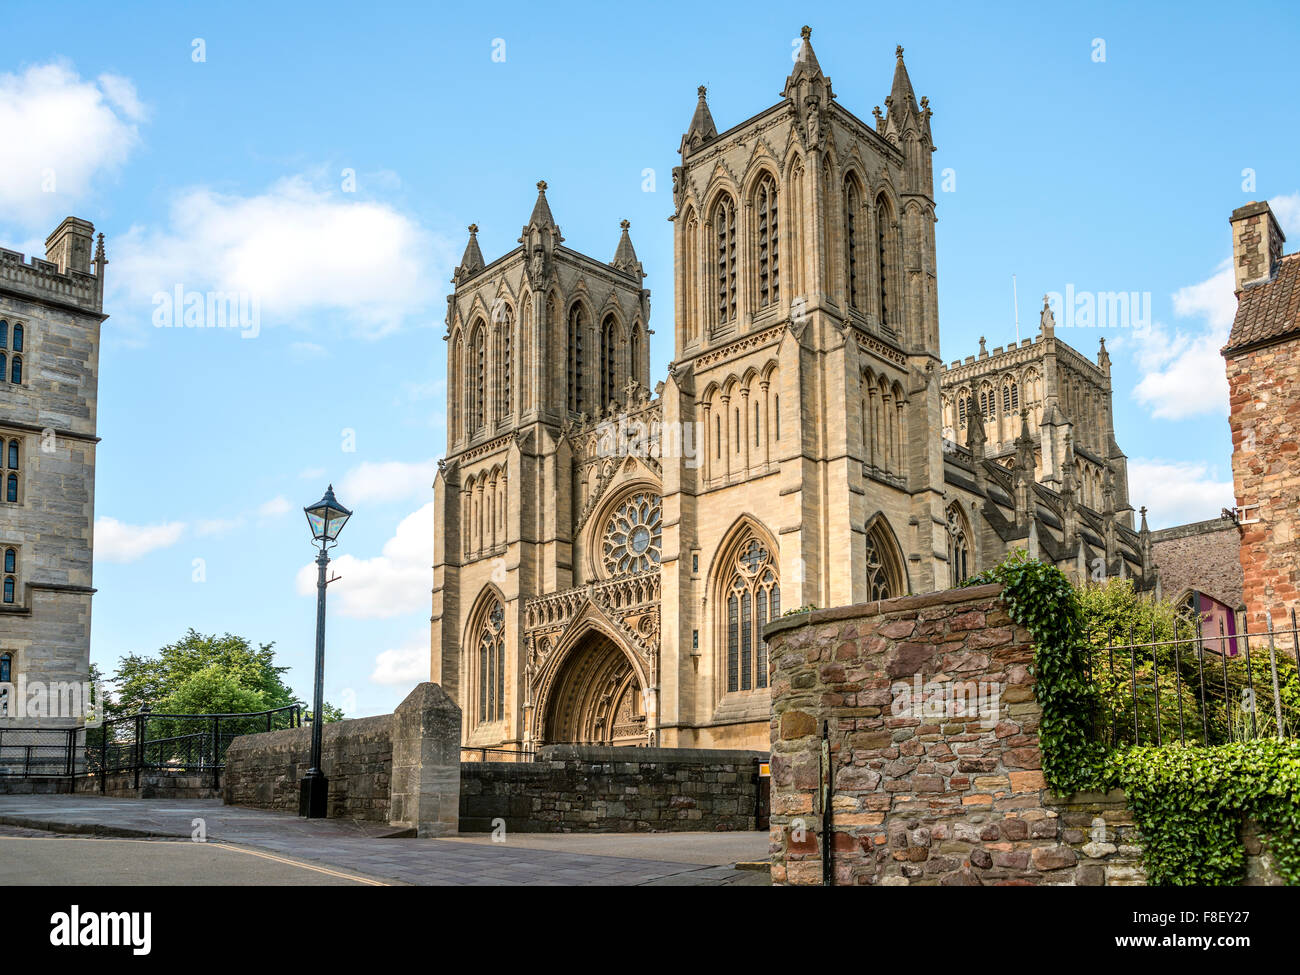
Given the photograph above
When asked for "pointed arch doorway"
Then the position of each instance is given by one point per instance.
(596, 697)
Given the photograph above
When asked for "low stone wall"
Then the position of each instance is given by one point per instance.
(613, 790)
(264, 770)
(924, 791)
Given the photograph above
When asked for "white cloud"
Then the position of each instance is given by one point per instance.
(294, 249)
(58, 126)
(116, 541)
(1181, 491)
(405, 665)
(387, 481)
(278, 505)
(396, 581)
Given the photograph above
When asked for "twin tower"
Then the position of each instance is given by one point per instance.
(607, 553)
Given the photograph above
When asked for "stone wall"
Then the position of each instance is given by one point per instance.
(1204, 555)
(613, 790)
(952, 795)
(264, 770)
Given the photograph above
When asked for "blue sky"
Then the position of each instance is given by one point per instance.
(229, 172)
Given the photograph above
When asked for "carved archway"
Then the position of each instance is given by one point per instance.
(596, 696)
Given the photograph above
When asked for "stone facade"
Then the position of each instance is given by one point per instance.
(1204, 555)
(50, 316)
(605, 555)
(601, 790)
(926, 789)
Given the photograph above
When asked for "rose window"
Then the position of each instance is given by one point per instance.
(633, 535)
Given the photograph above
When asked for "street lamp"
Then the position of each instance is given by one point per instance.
(326, 518)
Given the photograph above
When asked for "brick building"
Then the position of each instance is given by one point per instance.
(1263, 368)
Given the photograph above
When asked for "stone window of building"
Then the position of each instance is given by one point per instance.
(505, 325)
(11, 367)
(753, 598)
(885, 578)
(457, 388)
(576, 326)
(6, 668)
(12, 458)
(608, 360)
(852, 241)
(766, 242)
(886, 245)
(959, 552)
(10, 575)
(492, 663)
(633, 536)
(724, 235)
(478, 386)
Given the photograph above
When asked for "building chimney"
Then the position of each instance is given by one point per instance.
(1256, 244)
(70, 246)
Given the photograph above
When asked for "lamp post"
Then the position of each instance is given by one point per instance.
(326, 518)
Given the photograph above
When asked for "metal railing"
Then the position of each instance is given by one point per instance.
(193, 743)
(32, 752)
(1194, 687)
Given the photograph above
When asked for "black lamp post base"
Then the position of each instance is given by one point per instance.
(313, 799)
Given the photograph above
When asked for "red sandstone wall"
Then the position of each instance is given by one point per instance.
(1264, 398)
(957, 799)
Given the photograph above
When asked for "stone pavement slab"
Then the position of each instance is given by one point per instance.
(370, 848)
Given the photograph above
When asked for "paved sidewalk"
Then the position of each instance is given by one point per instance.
(524, 859)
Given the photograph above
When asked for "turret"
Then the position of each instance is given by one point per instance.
(472, 260)
(540, 237)
(701, 129)
(625, 255)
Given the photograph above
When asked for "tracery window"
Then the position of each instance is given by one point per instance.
(633, 538)
(884, 570)
(753, 598)
(959, 552)
(609, 360)
(724, 256)
(768, 237)
(478, 391)
(492, 664)
(505, 326)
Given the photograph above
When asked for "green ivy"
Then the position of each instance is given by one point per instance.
(1040, 598)
(1188, 801)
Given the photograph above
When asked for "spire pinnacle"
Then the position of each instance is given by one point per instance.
(625, 254)
(472, 260)
(701, 129)
(541, 209)
(806, 67)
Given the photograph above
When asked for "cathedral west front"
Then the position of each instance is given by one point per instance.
(608, 549)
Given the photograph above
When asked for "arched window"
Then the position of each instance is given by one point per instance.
(961, 408)
(959, 551)
(634, 355)
(753, 595)
(505, 326)
(4, 334)
(576, 327)
(885, 246)
(691, 274)
(1015, 396)
(852, 241)
(457, 391)
(6, 668)
(11, 572)
(885, 576)
(478, 379)
(492, 663)
(767, 238)
(11, 488)
(16, 370)
(4, 362)
(724, 258)
(12, 460)
(608, 360)
(1006, 398)
(18, 337)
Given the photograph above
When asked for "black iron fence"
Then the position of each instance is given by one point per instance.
(1183, 682)
(144, 742)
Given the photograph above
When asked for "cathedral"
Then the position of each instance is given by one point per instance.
(607, 552)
